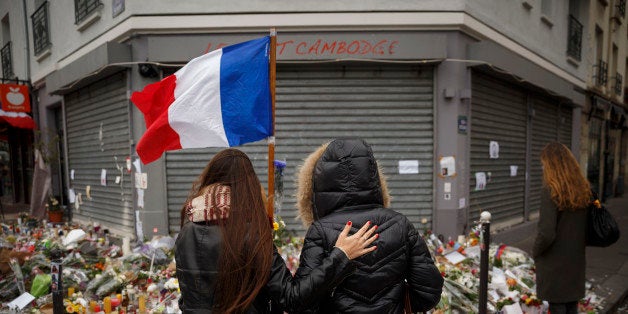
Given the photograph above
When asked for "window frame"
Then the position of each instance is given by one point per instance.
(41, 17)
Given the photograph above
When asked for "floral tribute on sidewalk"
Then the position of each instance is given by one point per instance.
(105, 275)
(512, 278)
(98, 274)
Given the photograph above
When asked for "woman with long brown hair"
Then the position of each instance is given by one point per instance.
(226, 261)
(559, 248)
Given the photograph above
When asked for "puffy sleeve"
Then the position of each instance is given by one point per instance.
(546, 228)
(424, 279)
(318, 274)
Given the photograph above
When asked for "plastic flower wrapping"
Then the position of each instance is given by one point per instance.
(288, 245)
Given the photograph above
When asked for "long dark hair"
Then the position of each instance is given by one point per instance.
(246, 254)
(568, 187)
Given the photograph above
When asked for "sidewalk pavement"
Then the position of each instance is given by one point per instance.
(607, 268)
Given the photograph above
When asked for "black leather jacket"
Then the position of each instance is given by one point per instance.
(196, 253)
(347, 186)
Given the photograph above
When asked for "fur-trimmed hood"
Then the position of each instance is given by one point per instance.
(341, 173)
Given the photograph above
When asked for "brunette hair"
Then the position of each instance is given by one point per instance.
(247, 247)
(561, 173)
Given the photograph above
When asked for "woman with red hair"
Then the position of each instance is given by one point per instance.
(559, 247)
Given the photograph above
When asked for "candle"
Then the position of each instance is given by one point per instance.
(126, 246)
(461, 239)
(107, 305)
(92, 306)
(116, 301)
(142, 303)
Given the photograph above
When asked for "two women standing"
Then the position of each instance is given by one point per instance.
(226, 262)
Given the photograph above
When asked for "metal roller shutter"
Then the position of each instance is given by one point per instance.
(564, 124)
(391, 107)
(498, 113)
(544, 131)
(550, 123)
(105, 104)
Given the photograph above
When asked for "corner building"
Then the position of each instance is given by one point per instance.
(430, 85)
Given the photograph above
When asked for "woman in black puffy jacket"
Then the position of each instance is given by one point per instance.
(341, 182)
(226, 261)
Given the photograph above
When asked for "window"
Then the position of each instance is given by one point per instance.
(601, 73)
(41, 33)
(6, 29)
(546, 12)
(621, 7)
(7, 61)
(83, 8)
(5, 51)
(574, 8)
(593, 164)
(574, 39)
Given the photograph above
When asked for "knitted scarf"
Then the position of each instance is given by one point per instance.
(213, 204)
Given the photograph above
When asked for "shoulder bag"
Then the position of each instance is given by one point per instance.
(602, 229)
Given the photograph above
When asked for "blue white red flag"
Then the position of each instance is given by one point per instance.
(220, 99)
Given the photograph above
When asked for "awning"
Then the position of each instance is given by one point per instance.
(18, 119)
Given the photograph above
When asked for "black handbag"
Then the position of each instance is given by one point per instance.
(602, 229)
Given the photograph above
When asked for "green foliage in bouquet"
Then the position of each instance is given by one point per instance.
(503, 302)
(281, 235)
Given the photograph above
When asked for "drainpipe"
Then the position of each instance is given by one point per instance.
(34, 100)
(27, 47)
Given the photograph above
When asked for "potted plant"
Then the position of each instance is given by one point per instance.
(53, 207)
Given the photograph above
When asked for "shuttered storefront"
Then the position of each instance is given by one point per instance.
(498, 113)
(550, 122)
(565, 120)
(389, 106)
(97, 133)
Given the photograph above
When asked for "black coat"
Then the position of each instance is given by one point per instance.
(559, 252)
(347, 186)
(196, 252)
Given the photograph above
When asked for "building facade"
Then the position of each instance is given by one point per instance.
(456, 98)
(16, 123)
(603, 152)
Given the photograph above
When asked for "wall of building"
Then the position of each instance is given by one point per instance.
(13, 10)
(66, 39)
(517, 21)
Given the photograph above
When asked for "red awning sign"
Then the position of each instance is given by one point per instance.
(18, 119)
(15, 98)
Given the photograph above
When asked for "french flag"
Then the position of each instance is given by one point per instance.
(220, 99)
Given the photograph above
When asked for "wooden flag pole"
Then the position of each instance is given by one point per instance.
(271, 139)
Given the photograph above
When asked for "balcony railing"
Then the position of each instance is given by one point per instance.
(574, 41)
(7, 61)
(41, 34)
(601, 73)
(621, 7)
(83, 8)
(619, 83)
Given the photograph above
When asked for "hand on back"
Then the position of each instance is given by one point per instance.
(357, 244)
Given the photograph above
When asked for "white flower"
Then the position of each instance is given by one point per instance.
(172, 284)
